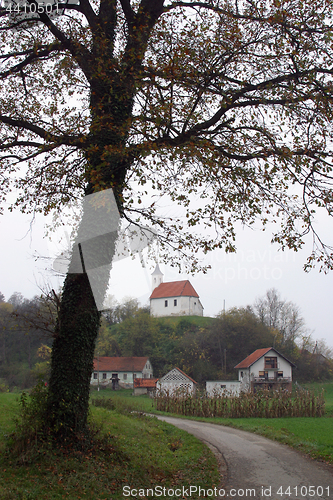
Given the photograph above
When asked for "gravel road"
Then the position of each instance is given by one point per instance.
(260, 468)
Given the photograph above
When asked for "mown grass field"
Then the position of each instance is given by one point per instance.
(313, 436)
(137, 451)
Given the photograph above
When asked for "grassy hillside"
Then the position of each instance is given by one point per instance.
(196, 320)
(134, 450)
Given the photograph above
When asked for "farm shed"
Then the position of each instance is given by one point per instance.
(175, 381)
(145, 386)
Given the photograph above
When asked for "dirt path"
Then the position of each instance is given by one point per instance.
(260, 468)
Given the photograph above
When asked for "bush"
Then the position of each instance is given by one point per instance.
(3, 386)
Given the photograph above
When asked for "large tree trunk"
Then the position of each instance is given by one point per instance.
(79, 319)
(111, 104)
(72, 358)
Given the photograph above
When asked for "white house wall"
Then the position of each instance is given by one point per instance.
(282, 365)
(244, 379)
(171, 388)
(221, 387)
(125, 377)
(185, 306)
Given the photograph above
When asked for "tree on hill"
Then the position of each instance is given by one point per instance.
(6, 325)
(140, 335)
(106, 344)
(115, 94)
(233, 336)
(115, 312)
(283, 317)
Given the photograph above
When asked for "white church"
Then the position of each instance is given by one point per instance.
(176, 298)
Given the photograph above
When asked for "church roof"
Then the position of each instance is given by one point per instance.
(174, 289)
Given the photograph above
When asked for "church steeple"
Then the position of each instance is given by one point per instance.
(157, 277)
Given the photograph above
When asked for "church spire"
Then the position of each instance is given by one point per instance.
(157, 277)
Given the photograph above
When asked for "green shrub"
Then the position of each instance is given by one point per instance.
(3, 385)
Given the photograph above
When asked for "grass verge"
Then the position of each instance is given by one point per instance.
(312, 436)
(137, 451)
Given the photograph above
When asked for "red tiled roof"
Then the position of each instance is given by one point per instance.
(145, 382)
(120, 364)
(247, 362)
(174, 289)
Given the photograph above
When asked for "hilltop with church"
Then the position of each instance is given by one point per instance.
(175, 298)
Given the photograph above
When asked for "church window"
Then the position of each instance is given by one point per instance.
(165, 303)
(175, 302)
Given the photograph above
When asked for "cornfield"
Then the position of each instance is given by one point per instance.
(263, 404)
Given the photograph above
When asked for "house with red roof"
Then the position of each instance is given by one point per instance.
(265, 369)
(176, 298)
(120, 371)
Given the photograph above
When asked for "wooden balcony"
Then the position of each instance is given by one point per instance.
(271, 380)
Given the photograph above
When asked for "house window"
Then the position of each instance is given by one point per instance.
(134, 375)
(104, 376)
(165, 303)
(95, 375)
(262, 374)
(242, 374)
(223, 386)
(175, 302)
(279, 374)
(125, 376)
(271, 362)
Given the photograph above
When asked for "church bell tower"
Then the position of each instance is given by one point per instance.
(157, 277)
